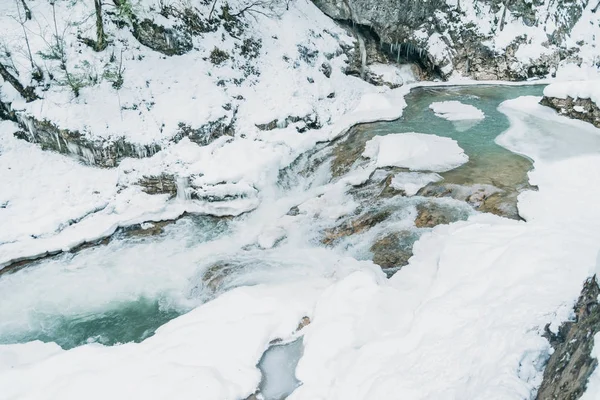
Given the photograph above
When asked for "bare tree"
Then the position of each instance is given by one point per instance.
(100, 37)
(28, 92)
(22, 19)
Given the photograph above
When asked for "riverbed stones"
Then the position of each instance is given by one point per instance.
(394, 249)
(430, 215)
(355, 226)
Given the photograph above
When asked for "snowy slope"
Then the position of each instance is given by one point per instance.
(160, 92)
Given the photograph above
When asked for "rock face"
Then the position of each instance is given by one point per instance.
(99, 152)
(105, 152)
(441, 38)
(571, 364)
(583, 109)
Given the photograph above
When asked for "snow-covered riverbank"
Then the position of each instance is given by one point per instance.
(464, 317)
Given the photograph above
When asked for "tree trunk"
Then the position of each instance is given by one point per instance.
(27, 10)
(101, 39)
(28, 92)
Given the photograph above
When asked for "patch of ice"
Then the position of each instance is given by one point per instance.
(411, 182)
(416, 151)
(456, 111)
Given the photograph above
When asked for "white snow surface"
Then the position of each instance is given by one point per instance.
(463, 320)
(456, 111)
(411, 182)
(416, 151)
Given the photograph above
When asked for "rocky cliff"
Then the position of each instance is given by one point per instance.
(485, 39)
(571, 364)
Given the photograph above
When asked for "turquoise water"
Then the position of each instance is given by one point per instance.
(117, 293)
(488, 162)
(121, 323)
(124, 291)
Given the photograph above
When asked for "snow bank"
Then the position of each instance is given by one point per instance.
(576, 90)
(416, 151)
(209, 353)
(411, 182)
(445, 326)
(456, 111)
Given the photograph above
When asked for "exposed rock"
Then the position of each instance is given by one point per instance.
(307, 122)
(146, 228)
(485, 198)
(431, 214)
(358, 225)
(303, 323)
(208, 132)
(164, 40)
(393, 250)
(159, 184)
(101, 152)
(571, 364)
(213, 278)
(583, 109)
(348, 149)
(293, 211)
(404, 32)
(136, 230)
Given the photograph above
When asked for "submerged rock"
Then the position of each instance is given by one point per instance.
(355, 226)
(431, 214)
(394, 250)
(484, 198)
(583, 109)
(571, 364)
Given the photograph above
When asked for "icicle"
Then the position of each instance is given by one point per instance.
(281, 123)
(57, 140)
(183, 186)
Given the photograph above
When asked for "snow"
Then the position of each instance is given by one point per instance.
(589, 89)
(524, 36)
(412, 182)
(463, 320)
(201, 354)
(415, 151)
(456, 111)
(392, 74)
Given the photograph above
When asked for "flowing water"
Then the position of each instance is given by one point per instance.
(124, 291)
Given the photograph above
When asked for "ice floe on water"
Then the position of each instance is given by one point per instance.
(415, 151)
(463, 116)
(456, 111)
(411, 182)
